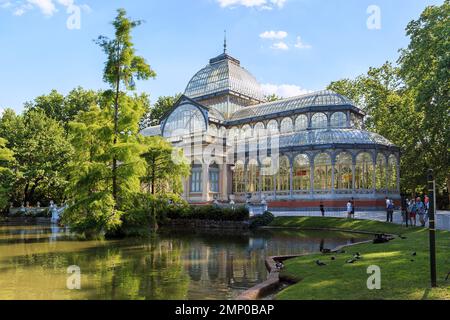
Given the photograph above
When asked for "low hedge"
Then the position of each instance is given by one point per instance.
(261, 220)
(209, 212)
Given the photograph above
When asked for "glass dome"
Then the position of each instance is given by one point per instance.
(224, 74)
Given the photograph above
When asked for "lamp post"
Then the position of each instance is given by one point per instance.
(432, 228)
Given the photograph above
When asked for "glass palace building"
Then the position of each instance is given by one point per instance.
(294, 153)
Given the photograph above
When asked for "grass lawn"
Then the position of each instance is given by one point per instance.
(403, 276)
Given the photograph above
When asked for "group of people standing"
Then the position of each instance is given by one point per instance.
(416, 207)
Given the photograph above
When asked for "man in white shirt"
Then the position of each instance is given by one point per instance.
(349, 209)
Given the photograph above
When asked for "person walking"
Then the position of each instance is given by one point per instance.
(349, 209)
(388, 202)
(412, 212)
(420, 211)
(389, 210)
(427, 207)
(353, 208)
(404, 208)
(322, 209)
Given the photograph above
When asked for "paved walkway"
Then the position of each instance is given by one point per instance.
(442, 217)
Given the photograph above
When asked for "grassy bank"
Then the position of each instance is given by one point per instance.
(403, 276)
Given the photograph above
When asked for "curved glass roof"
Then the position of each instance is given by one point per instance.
(224, 73)
(151, 131)
(332, 136)
(320, 98)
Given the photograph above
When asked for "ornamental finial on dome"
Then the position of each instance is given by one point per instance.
(225, 42)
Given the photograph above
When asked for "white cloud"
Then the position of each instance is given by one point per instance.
(284, 90)
(278, 3)
(260, 4)
(5, 4)
(273, 35)
(47, 7)
(280, 46)
(300, 45)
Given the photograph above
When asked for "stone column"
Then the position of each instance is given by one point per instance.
(291, 178)
(205, 182)
(398, 176)
(353, 176)
(223, 182)
(311, 177)
(333, 176)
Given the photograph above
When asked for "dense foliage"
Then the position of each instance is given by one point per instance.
(261, 220)
(214, 213)
(409, 103)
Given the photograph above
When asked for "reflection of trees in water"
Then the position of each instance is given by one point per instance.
(167, 266)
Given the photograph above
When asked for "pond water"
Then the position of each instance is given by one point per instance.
(172, 264)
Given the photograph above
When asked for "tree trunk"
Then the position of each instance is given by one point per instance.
(116, 129)
(153, 214)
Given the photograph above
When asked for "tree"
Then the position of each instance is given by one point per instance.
(64, 108)
(272, 97)
(165, 168)
(121, 68)
(93, 207)
(41, 153)
(425, 68)
(156, 112)
(6, 174)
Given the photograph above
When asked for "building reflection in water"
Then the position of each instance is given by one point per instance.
(233, 266)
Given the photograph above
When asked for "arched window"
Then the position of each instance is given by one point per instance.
(380, 172)
(284, 174)
(246, 131)
(364, 171)
(186, 119)
(267, 173)
(338, 120)
(322, 172)
(301, 123)
(301, 173)
(287, 125)
(343, 171)
(253, 176)
(272, 127)
(238, 178)
(212, 130)
(392, 173)
(196, 178)
(260, 129)
(214, 178)
(319, 121)
(233, 133)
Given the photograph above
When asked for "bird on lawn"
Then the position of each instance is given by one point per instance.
(351, 261)
(402, 237)
(333, 258)
(320, 263)
(414, 254)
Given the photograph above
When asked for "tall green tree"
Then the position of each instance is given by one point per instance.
(41, 153)
(93, 206)
(425, 68)
(122, 67)
(64, 108)
(6, 174)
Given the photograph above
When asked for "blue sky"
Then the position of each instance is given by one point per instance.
(38, 52)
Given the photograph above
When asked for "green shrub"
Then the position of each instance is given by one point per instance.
(261, 220)
(209, 212)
